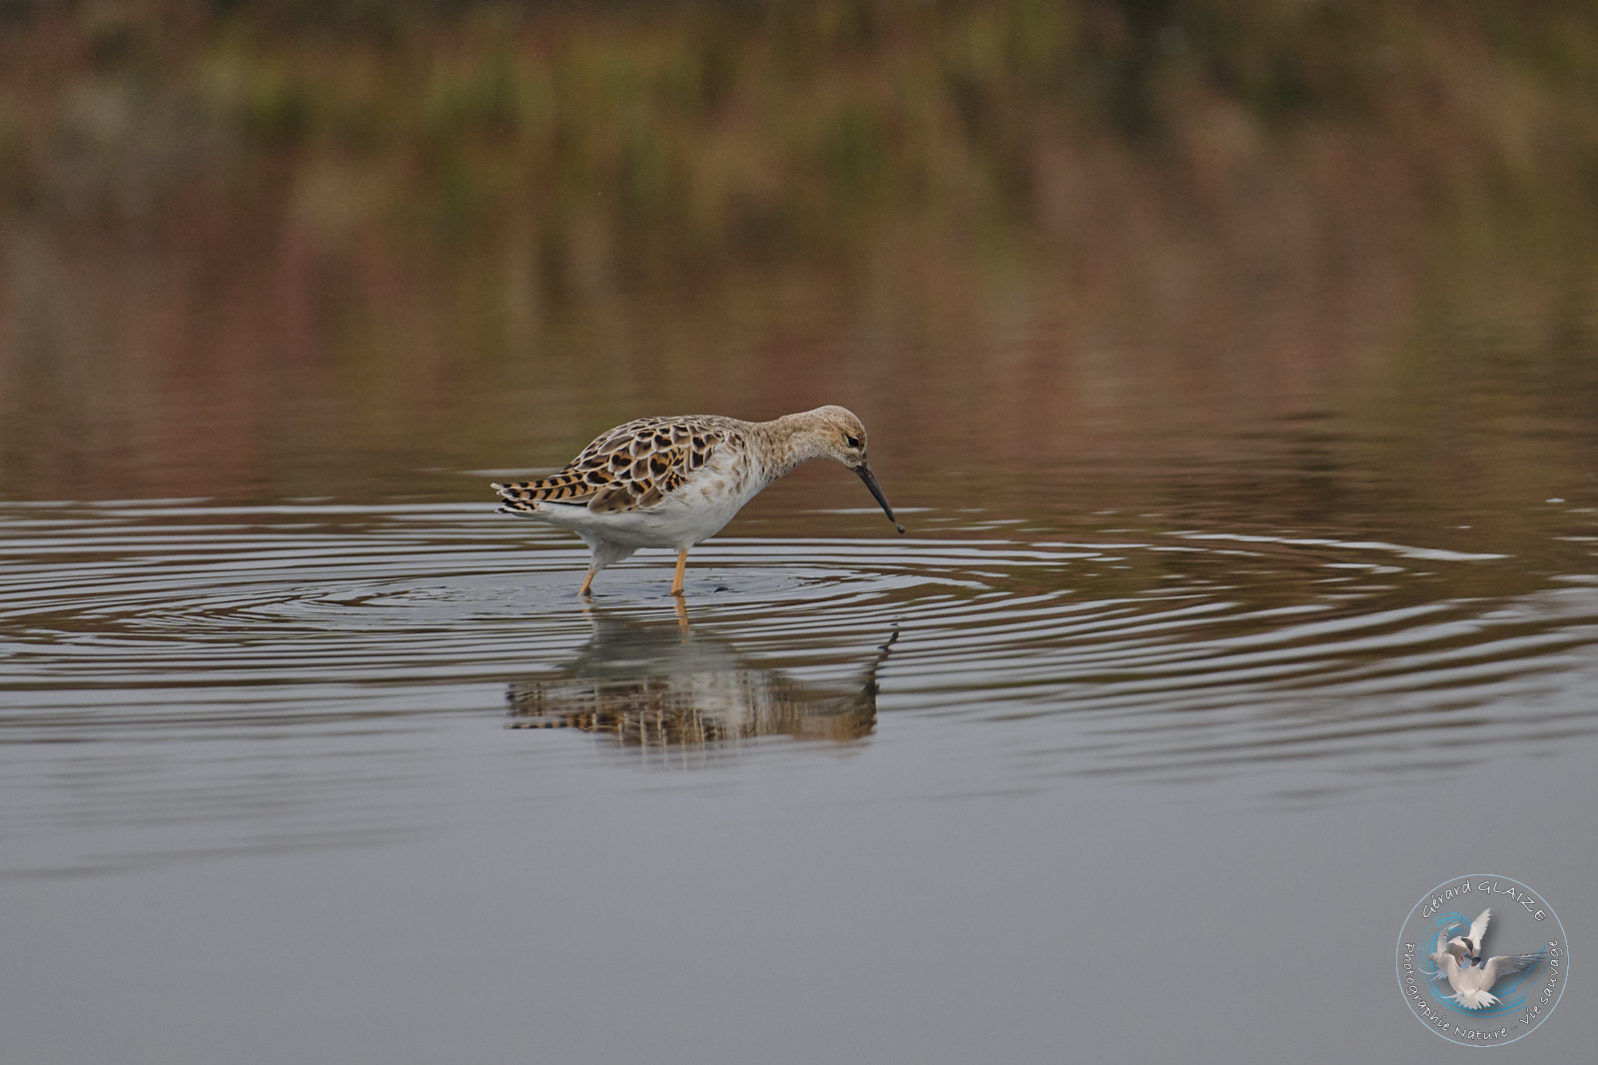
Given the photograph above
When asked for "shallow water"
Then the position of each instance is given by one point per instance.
(864, 796)
(1273, 668)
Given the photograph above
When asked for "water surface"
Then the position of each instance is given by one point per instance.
(909, 782)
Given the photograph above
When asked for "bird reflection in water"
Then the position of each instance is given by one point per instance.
(671, 687)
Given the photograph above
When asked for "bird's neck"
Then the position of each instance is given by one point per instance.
(788, 444)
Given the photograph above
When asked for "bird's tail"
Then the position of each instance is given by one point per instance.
(567, 486)
(1475, 999)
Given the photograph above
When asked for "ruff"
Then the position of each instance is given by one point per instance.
(677, 481)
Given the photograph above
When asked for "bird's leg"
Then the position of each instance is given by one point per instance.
(588, 580)
(676, 582)
(682, 615)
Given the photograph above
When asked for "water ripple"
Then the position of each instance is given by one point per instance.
(1314, 665)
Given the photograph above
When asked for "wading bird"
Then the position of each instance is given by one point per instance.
(676, 481)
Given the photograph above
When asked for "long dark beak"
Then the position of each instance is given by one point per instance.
(876, 490)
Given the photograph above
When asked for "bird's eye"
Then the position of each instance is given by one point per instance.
(850, 440)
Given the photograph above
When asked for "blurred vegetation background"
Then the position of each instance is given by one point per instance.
(238, 235)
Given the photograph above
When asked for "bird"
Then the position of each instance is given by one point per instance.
(676, 481)
(1471, 942)
(1473, 984)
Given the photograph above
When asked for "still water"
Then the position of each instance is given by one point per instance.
(311, 780)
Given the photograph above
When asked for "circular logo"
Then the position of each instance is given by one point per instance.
(1482, 960)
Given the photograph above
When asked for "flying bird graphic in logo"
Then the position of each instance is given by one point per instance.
(1459, 961)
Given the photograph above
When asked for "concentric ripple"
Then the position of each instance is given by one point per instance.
(1315, 666)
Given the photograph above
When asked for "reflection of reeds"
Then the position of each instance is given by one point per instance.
(217, 219)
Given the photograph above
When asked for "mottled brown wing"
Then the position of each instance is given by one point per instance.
(631, 467)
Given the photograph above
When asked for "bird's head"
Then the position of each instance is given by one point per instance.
(838, 435)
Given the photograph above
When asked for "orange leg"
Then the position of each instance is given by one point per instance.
(682, 561)
(588, 580)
